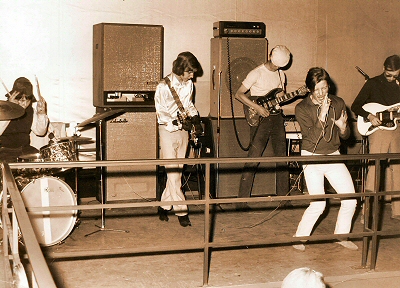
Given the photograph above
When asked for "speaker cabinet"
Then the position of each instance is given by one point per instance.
(131, 135)
(227, 176)
(127, 64)
(231, 60)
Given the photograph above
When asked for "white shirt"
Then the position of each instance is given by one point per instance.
(166, 107)
(261, 80)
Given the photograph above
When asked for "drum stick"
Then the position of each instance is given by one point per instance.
(38, 89)
(5, 87)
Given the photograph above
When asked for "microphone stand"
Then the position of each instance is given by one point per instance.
(364, 166)
(103, 192)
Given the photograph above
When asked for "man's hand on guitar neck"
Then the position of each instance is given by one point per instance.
(374, 120)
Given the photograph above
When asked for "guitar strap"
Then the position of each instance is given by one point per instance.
(175, 95)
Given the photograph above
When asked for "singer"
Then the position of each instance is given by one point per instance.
(323, 121)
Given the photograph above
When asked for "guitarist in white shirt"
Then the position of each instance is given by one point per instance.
(383, 89)
(270, 129)
(172, 131)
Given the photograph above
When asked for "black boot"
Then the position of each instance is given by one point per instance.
(184, 221)
(163, 214)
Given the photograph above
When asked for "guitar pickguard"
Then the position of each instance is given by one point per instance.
(389, 115)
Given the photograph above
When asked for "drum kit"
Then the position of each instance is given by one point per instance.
(35, 183)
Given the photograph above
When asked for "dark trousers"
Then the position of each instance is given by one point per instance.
(271, 131)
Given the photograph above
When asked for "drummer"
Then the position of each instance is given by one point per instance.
(15, 133)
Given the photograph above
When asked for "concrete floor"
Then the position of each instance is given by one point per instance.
(246, 267)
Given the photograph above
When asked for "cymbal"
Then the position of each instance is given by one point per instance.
(75, 138)
(99, 116)
(9, 110)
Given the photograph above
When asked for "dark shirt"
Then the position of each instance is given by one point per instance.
(316, 139)
(17, 133)
(376, 90)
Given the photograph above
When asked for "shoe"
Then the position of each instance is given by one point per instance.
(163, 214)
(348, 244)
(242, 207)
(184, 221)
(300, 247)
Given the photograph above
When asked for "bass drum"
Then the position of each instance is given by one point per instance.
(51, 227)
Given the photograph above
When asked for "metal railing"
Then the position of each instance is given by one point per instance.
(19, 221)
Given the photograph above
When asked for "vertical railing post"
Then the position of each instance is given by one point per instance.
(206, 264)
(375, 215)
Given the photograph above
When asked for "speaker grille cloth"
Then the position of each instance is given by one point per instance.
(132, 57)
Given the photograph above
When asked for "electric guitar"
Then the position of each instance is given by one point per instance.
(387, 114)
(270, 102)
(186, 121)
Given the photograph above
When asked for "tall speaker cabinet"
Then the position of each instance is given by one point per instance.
(127, 66)
(231, 60)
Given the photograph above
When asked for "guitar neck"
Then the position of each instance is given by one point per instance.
(388, 115)
(287, 96)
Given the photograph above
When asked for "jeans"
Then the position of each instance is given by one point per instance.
(270, 131)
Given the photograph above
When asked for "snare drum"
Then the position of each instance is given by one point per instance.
(58, 151)
(51, 227)
(35, 157)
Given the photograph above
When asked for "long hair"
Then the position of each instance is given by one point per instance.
(184, 62)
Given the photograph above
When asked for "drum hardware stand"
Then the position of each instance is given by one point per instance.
(101, 181)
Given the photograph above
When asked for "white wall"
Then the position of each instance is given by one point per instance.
(53, 40)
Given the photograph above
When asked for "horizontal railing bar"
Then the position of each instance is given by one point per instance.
(203, 202)
(221, 160)
(277, 240)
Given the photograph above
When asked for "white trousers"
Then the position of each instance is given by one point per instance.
(173, 145)
(340, 179)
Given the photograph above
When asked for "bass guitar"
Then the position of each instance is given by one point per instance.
(389, 115)
(270, 102)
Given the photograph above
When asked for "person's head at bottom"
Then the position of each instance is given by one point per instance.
(304, 278)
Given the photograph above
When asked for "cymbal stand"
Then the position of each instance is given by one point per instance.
(101, 147)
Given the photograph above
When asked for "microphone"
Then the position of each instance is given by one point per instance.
(362, 73)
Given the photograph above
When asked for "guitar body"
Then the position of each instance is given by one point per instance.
(389, 116)
(270, 102)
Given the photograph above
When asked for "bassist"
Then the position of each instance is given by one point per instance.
(270, 130)
(383, 89)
